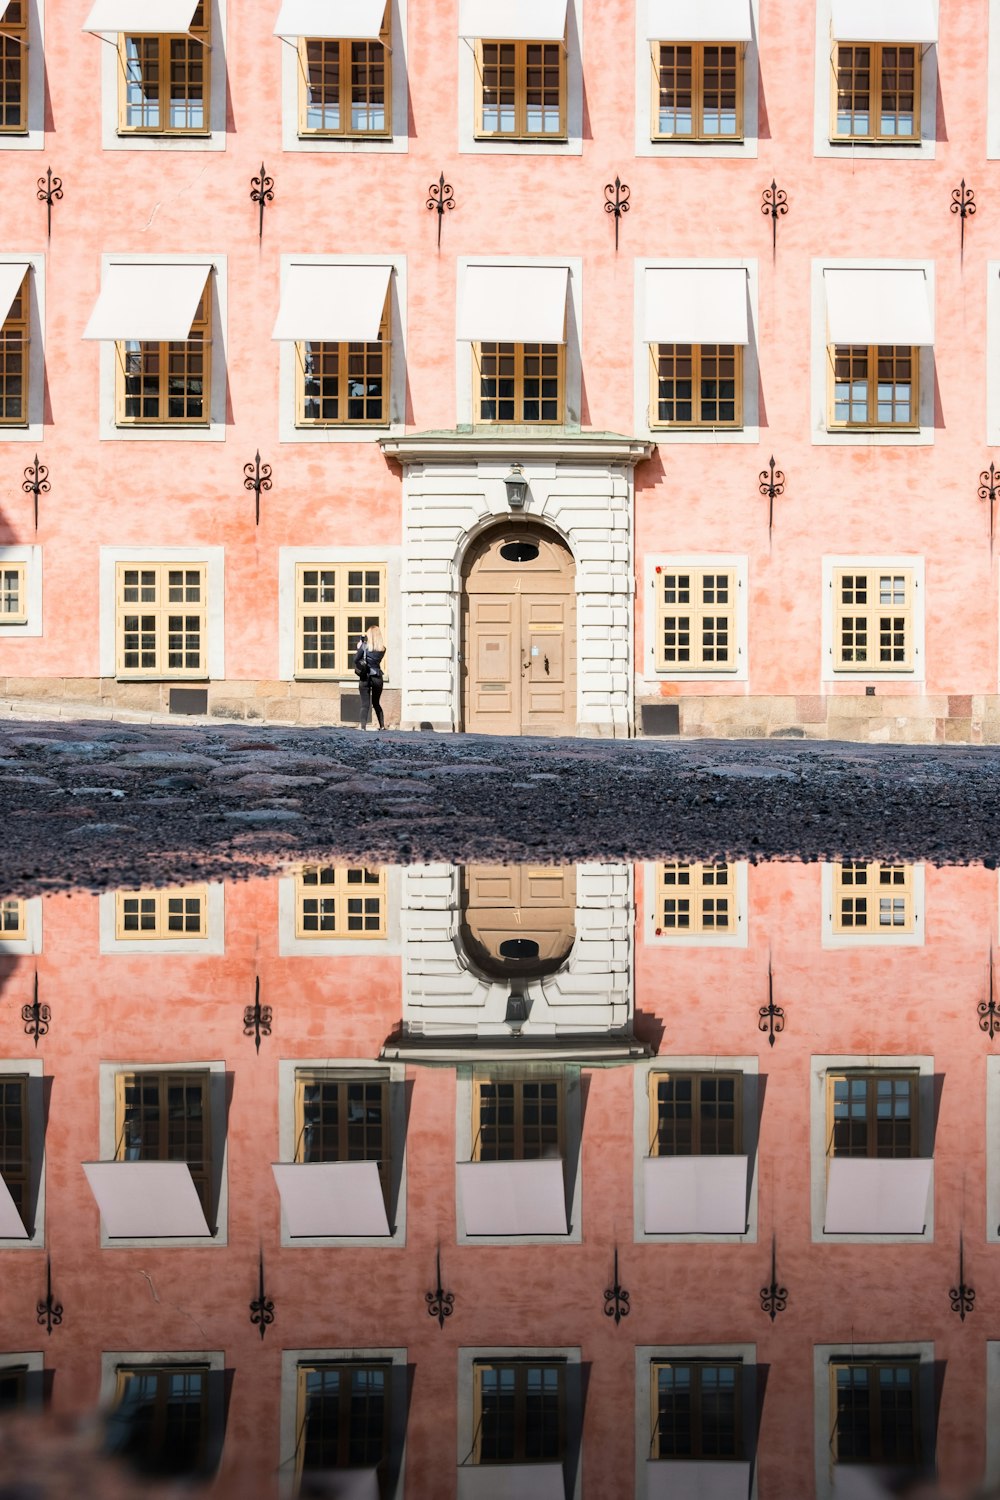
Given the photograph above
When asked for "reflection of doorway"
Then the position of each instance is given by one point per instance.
(518, 921)
(519, 633)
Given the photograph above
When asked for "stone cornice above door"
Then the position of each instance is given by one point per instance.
(462, 447)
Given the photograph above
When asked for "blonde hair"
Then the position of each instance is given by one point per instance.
(375, 638)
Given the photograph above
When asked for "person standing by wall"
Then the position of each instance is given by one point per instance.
(368, 665)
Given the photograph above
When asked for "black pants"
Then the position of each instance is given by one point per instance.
(371, 698)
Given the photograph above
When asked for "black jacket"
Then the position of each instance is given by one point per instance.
(368, 663)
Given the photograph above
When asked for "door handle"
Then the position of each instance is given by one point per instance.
(525, 665)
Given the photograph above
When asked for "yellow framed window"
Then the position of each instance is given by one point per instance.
(874, 386)
(14, 68)
(875, 1411)
(167, 384)
(695, 899)
(344, 385)
(697, 1409)
(165, 1117)
(695, 1114)
(872, 1114)
(13, 593)
(164, 78)
(340, 901)
(522, 90)
(161, 1417)
(518, 1119)
(876, 92)
(873, 620)
(14, 1157)
(161, 620)
(345, 87)
(335, 603)
(343, 1414)
(180, 912)
(697, 91)
(696, 385)
(13, 918)
(14, 351)
(872, 898)
(519, 1411)
(696, 619)
(342, 1117)
(519, 383)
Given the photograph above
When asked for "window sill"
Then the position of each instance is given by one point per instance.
(721, 427)
(909, 428)
(162, 426)
(907, 142)
(361, 428)
(698, 140)
(162, 135)
(496, 138)
(382, 136)
(173, 680)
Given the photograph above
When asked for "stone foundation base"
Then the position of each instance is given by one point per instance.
(967, 719)
(262, 702)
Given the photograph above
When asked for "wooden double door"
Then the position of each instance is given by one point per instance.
(519, 634)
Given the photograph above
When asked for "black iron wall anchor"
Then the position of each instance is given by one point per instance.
(617, 201)
(441, 197)
(773, 1298)
(963, 203)
(50, 190)
(616, 1299)
(262, 1307)
(963, 1297)
(772, 1017)
(774, 201)
(48, 1313)
(36, 482)
(989, 487)
(989, 1010)
(258, 478)
(772, 484)
(261, 193)
(36, 1017)
(440, 1304)
(257, 1018)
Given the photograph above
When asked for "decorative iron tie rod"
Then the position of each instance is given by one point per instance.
(441, 197)
(772, 484)
(36, 482)
(617, 201)
(772, 1017)
(963, 203)
(256, 1017)
(257, 478)
(261, 193)
(440, 1304)
(50, 190)
(774, 201)
(616, 1298)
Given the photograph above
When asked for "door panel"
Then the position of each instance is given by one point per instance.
(544, 704)
(494, 660)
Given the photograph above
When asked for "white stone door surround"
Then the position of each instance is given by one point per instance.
(582, 485)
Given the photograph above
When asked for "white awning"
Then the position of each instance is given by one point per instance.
(885, 21)
(354, 20)
(331, 1198)
(344, 1484)
(878, 307)
(11, 276)
(147, 302)
(698, 20)
(513, 304)
(858, 1482)
(689, 306)
(146, 1199)
(332, 304)
(513, 1197)
(11, 1225)
(520, 20)
(667, 1479)
(873, 1195)
(108, 17)
(511, 1482)
(695, 1194)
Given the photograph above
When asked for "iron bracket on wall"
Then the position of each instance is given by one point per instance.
(440, 1304)
(773, 1298)
(36, 482)
(257, 478)
(989, 1010)
(989, 488)
(261, 193)
(262, 1307)
(617, 201)
(256, 1017)
(49, 1312)
(50, 190)
(774, 201)
(772, 484)
(441, 197)
(616, 1299)
(963, 203)
(772, 1017)
(963, 1297)
(36, 1017)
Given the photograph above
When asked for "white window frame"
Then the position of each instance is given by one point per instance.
(468, 1358)
(993, 328)
(214, 561)
(33, 139)
(993, 83)
(289, 560)
(738, 938)
(398, 143)
(32, 940)
(468, 142)
(717, 150)
(213, 943)
(162, 432)
(31, 628)
(33, 1069)
(888, 939)
(215, 140)
(822, 1354)
(820, 1066)
(291, 946)
(219, 1127)
(288, 355)
(828, 674)
(33, 1364)
(465, 363)
(288, 1438)
(750, 1125)
(34, 429)
(649, 678)
(822, 434)
(923, 148)
(645, 1354)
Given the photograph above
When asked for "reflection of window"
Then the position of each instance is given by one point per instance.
(874, 385)
(165, 1117)
(14, 1155)
(696, 385)
(876, 1411)
(14, 68)
(13, 1387)
(343, 1417)
(697, 91)
(335, 603)
(696, 1409)
(14, 349)
(342, 1118)
(695, 1114)
(695, 627)
(873, 620)
(872, 1114)
(519, 1409)
(345, 85)
(164, 79)
(340, 901)
(872, 898)
(160, 1420)
(346, 384)
(176, 913)
(519, 383)
(877, 92)
(521, 90)
(517, 1119)
(13, 918)
(695, 899)
(168, 383)
(161, 620)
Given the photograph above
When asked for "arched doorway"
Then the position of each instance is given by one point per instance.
(519, 633)
(518, 921)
